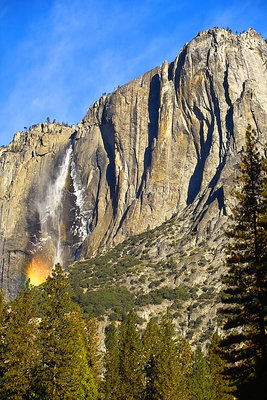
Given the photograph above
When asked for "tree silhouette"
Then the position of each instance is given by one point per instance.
(244, 296)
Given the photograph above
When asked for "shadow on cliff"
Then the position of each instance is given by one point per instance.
(205, 146)
(153, 112)
(108, 136)
(178, 71)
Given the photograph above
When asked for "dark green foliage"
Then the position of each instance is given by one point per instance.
(93, 355)
(244, 296)
(92, 343)
(131, 360)
(151, 350)
(158, 368)
(102, 269)
(65, 373)
(202, 382)
(186, 365)
(220, 382)
(19, 358)
(172, 366)
(166, 364)
(3, 322)
(98, 302)
(157, 296)
(112, 385)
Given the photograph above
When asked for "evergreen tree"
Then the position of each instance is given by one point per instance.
(93, 350)
(65, 373)
(20, 352)
(3, 321)
(112, 363)
(150, 350)
(220, 382)
(170, 373)
(185, 358)
(92, 339)
(244, 296)
(131, 360)
(202, 382)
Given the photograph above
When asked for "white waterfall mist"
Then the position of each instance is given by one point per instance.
(50, 209)
(82, 217)
(64, 221)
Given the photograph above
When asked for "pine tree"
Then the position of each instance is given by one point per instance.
(112, 364)
(93, 349)
(185, 358)
(20, 355)
(3, 321)
(131, 360)
(202, 382)
(220, 383)
(263, 228)
(244, 296)
(150, 350)
(65, 373)
(92, 339)
(171, 379)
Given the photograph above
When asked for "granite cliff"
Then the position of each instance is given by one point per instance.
(165, 144)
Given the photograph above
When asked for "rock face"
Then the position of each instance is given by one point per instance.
(29, 168)
(166, 143)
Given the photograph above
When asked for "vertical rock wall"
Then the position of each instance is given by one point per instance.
(168, 142)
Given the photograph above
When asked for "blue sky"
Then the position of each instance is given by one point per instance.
(59, 56)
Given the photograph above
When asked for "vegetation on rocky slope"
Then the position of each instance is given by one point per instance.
(151, 272)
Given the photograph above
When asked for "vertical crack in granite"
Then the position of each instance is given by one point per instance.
(153, 111)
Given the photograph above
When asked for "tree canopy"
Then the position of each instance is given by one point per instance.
(244, 295)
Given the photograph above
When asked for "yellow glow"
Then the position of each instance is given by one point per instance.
(38, 271)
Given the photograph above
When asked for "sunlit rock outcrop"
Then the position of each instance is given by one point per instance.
(166, 143)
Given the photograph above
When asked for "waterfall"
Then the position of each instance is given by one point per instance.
(82, 217)
(50, 209)
(64, 223)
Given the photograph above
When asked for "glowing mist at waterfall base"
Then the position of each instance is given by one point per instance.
(47, 249)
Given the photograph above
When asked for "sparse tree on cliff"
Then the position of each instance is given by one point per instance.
(244, 296)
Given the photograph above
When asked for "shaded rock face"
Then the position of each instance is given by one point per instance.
(167, 142)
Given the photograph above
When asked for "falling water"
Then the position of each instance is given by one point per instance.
(82, 217)
(50, 209)
(64, 222)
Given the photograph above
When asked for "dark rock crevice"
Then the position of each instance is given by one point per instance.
(229, 120)
(153, 112)
(196, 178)
(108, 136)
(178, 71)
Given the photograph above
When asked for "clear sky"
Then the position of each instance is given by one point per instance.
(59, 56)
